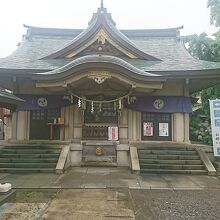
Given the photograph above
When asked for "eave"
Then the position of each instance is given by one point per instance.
(96, 61)
(197, 80)
(81, 68)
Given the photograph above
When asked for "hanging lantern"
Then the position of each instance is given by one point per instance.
(133, 98)
(71, 98)
(92, 107)
(119, 104)
(84, 103)
(79, 103)
(115, 106)
(128, 100)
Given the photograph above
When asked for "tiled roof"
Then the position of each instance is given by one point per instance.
(40, 43)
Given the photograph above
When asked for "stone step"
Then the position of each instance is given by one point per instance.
(27, 170)
(168, 152)
(167, 171)
(27, 160)
(56, 155)
(27, 165)
(29, 151)
(177, 148)
(155, 161)
(31, 146)
(169, 157)
(171, 167)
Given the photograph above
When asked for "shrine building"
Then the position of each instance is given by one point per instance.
(103, 84)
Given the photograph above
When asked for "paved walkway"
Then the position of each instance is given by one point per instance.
(112, 194)
(98, 178)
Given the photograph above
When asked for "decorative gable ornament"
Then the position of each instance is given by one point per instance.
(101, 36)
(99, 76)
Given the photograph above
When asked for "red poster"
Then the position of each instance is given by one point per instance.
(112, 133)
(148, 129)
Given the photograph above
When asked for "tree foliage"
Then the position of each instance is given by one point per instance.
(199, 46)
(214, 6)
(205, 48)
(216, 48)
(210, 93)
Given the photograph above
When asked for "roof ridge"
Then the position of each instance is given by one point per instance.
(35, 30)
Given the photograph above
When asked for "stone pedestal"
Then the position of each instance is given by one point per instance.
(99, 154)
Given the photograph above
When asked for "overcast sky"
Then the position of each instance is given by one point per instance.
(128, 14)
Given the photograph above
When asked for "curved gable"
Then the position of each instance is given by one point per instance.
(102, 31)
(99, 68)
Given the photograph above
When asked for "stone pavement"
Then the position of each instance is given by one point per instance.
(113, 194)
(101, 178)
(123, 203)
(116, 204)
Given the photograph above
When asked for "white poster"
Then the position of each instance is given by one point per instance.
(163, 129)
(215, 123)
(148, 130)
(112, 133)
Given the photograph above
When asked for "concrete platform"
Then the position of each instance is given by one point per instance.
(113, 193)
(101, 178)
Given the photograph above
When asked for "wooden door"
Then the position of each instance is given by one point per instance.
(39, 130)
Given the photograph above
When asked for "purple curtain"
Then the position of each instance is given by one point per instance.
(37, 102)
(166, 104)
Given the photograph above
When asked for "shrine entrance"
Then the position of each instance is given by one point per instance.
(39, 129)
(99, 119)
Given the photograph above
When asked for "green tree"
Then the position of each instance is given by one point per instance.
(205, 48)
(214, 6)
(215, 47)
(200, 46)
(210, 93)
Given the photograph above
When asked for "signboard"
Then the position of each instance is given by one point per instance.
(112, 133)
(163, 129)
(148, 129)
(215, 123)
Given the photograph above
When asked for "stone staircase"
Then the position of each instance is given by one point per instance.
(29, 158)
(170, 159)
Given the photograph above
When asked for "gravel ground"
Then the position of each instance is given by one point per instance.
(176, 205)
(116, 204)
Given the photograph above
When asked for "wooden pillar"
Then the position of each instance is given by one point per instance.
(130, 125)
(186, 128)
(14, 125)
(134, 127)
